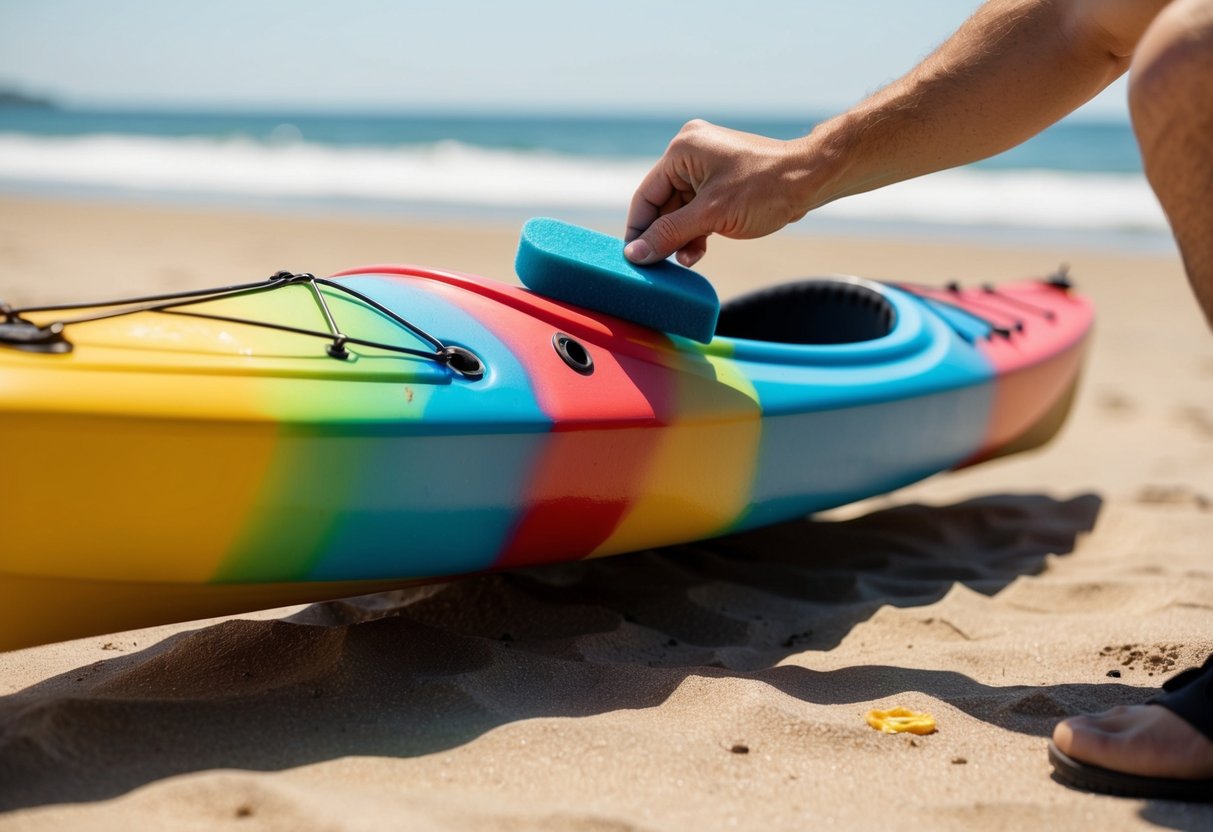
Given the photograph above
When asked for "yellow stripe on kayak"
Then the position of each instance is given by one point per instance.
(711, 458)
(146, 499)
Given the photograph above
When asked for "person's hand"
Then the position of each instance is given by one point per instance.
(713, 180)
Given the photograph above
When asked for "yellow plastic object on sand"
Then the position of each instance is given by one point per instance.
(901, 720)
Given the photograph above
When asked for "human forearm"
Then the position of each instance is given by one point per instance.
(1011, 70)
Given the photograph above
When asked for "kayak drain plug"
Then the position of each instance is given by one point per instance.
(573, 353)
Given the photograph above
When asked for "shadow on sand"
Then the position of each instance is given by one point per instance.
(422, 670)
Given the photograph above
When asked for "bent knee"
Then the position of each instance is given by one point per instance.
(1172, 66)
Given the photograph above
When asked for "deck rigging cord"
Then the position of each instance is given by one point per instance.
(17, 331)
(951, 293)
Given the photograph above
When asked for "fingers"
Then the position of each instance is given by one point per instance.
(693, 252)
(665, 218)
(654, 191)
(670, 233)
(662, 217)
(711, 180)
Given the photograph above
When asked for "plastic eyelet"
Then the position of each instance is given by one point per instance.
(573, 353)
(464, 362)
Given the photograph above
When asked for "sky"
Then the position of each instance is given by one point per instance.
(679, 58)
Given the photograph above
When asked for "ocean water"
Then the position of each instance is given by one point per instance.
(1079, 181)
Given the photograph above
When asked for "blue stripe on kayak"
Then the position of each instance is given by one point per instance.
(835, 437)
(387, 534)
(383, 533)
(968, 324)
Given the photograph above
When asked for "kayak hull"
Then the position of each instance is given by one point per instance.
(175, 469)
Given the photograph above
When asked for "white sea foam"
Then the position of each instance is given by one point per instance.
(1020, 198)
(462, 175)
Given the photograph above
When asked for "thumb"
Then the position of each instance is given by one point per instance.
(668, 233)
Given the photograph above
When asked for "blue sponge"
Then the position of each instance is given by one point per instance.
(586, 268)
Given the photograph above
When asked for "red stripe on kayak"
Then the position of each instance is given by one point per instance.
(589, 473)
(1037, 364)
(603, 438)
(579, 491)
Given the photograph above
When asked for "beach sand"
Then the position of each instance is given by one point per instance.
(718, 685)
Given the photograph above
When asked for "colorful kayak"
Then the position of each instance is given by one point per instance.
(303, 439)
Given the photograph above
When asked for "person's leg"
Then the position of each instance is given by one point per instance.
(1171, 104)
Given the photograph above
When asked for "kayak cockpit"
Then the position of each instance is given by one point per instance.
(815, 311)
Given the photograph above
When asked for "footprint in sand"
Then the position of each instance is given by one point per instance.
(1115, 402)
(1197, 418)
(1174, 495)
